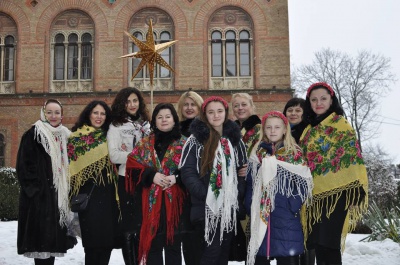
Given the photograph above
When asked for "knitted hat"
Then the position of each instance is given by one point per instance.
(276, 114)
(214, 98)
(319, 85)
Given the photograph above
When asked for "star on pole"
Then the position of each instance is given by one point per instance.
(149, 53)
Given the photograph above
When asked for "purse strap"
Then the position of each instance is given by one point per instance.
(90, 193)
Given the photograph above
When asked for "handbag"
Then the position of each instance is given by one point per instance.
(80, 201)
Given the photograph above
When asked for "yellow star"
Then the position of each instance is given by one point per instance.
(149, 52)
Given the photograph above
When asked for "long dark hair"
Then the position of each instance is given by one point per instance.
(176, 132)
(309, 114)
(118, 107)
(211, 144)
(84, 117)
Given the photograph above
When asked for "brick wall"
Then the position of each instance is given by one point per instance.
(269, 21)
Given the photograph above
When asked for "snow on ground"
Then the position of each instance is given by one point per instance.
(384, 252)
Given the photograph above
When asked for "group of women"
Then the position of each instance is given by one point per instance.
(193, 181)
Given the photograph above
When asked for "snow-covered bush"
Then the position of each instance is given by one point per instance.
(383, 188)
(9, 194)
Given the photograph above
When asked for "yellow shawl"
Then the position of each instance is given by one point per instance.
(333, 154)
(88, 156)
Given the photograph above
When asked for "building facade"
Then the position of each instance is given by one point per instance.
(70, 50)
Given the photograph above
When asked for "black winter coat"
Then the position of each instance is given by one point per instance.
(39, 229)
(197, 185)
(99, 222)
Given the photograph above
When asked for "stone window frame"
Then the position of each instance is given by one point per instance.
(2, 150)
(238, 80)
(8, 86)
(162, 23)
(78, 84)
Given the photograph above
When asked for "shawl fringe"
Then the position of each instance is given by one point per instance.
(54, 142)
(152, 196)
(334, 157)
(274, 176)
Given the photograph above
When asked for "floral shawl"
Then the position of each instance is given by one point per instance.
(88, 156)
(251, 137)
(250, 130)
(54, 142)
(142, 156)
(333, 154)
(221, 200)
(279, 173)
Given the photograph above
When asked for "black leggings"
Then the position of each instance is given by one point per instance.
(97, 256)
(172, 252)
(49, 261)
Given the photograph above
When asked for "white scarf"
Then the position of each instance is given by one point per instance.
(266, 180)
(222, 209)
(54, 141)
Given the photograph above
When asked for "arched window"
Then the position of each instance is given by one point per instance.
(72, 52)
(59, 57)
(244, 51)
(9, 53)
(136, 61)
(230, 53)
(72, 56)
(166, 54)
(230, 49)
(2, 150)
(86, 63)
(216, 48)
(163, 29)
(8, 43)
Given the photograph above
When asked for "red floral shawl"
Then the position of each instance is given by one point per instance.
(141, 157)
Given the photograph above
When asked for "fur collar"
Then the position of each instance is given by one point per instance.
(251, 121)
(231, 130)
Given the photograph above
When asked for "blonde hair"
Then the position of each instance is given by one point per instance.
(197, 99)
(246, 96)
(288, 141)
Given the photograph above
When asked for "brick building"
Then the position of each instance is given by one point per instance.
(70, 49)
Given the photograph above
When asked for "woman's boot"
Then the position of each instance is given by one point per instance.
(308, 258)
(129, 249)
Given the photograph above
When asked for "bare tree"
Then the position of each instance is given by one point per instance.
(359, 83)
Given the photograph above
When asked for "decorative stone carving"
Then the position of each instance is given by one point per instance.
(73, 22)
(230, 18)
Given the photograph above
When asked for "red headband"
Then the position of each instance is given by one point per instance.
(320, 84)
(276, 114)
(214, 98)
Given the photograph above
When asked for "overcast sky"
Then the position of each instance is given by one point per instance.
(350, 26)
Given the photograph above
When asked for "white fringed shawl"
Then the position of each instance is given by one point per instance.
(54, 141)
(266, 184)
(222, 209)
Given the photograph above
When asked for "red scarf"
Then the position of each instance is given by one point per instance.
(144, 156)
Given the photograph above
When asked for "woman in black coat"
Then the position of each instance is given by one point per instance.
(211, 159)
(42, 170)
(92, 173)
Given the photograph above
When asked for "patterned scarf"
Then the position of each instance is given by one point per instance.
(281, 173)
(221, 201)
(88, 156)
(250, 137)
(54, 142)
(334, 157)
(143, 156)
